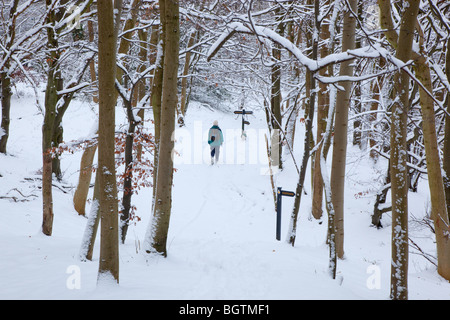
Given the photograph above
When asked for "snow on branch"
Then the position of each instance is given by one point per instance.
(334, 79)
(75, 83)
(372, 51)
(73, 88)
(73, 15)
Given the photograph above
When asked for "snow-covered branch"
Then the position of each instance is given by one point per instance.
(372, 51)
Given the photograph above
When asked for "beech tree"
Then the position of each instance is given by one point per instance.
(399, 177)
(422, 76)
(156, 237)
(323, 101)
(108, 209)
(341, 127)
(87, 159)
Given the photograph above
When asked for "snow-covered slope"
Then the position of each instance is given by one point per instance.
(222, 235)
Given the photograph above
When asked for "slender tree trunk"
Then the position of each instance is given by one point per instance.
(127, 185)
(275, 97)
(159, 226)
(51, 99)
(439, 213)
(299, 189)
(58, 131)
(92, 71)
(377, 86)
(331, 236)
(399, 190)
(90, 232)
(141, 87)
(398, 157)
(292, 230)
(125, 40)
(446, 157)
(137, 93)
(323, 101)
(6, 107)
(5, 79)
(84, 180)
(129, 141)
(184, 80)
(358, 105)
(47, 134)
(87, 159)
(109, 241)
(341, 129)
(57, 84)
(156, 98)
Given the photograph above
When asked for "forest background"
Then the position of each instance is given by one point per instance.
(336, 75)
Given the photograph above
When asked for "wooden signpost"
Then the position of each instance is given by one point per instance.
(244, 122)
(281, 193)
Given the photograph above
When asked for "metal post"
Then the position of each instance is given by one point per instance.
(281, 193)
(278, 213)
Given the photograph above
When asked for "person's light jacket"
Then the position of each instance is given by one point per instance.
(215, 136)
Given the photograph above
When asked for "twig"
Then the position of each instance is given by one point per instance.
(423, 254)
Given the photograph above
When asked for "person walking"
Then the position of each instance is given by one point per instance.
(215, 140)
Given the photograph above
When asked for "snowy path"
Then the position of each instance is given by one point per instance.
(222, 233)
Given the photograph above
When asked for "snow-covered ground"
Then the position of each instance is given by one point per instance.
(222, 235)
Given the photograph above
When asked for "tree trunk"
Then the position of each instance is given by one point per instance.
(439, 213)
(47, 134)
(6, 107)
(341, 129)
(398, 157)
(156, 98)
(109, 244)
(323, 101)
(127, 184)
(141, 87)
(275, 97)
(87, 159)
(358, 105)
(57, 82)
(184, 80)
(292, 230)
(159, 226)
(84, 180)
(5, 79)
(446, 157)
(90, 232)
(399, 190)
(377, 87)
(331, 235)
(51, 99)
(58, 131)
